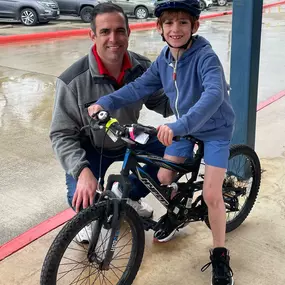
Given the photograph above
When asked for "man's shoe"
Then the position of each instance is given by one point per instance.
(222, 273)
(167, 229)
(84, 235)
(142, 208)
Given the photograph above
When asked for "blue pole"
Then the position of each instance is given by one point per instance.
(246, 35)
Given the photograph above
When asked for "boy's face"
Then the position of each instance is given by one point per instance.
(177, 28)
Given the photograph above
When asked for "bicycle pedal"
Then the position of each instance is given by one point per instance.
(148, 223)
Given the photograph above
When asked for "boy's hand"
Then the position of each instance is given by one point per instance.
(93, 109)
(165, 135)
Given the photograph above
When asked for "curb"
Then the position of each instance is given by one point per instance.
(273, 4)
(34, 233)
(54, 222)
(270, 100)
(84, 32)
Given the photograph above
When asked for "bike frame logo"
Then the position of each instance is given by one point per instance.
(153, 189)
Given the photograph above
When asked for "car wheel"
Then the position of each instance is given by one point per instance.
(202, 5)
(141, 12)
(29, 17)
(86, 14)
(222, 2)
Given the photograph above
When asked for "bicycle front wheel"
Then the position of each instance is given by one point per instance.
(67, 262)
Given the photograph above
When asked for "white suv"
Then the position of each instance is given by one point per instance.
(204, 4)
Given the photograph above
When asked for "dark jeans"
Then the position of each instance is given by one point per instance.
(93, 156)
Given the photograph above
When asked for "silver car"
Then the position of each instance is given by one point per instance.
(29, 12)
(205, 4)
(141, 9)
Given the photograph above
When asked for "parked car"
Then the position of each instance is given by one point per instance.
(141, 9)
(29, 12)
(81, 8)
(205, 4)
(221, 2)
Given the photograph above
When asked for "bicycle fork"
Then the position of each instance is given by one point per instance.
(110, 221)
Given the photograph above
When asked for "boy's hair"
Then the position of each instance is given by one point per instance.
(165, 14)
(107, 7)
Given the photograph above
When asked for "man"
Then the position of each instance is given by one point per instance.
(106, 68)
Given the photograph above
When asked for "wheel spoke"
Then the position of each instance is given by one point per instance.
(239, 183)
(76, 267)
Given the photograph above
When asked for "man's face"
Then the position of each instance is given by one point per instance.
(111, 36)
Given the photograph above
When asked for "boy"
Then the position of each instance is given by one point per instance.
(192, 77)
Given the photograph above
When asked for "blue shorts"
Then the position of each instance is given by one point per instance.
(216, 153)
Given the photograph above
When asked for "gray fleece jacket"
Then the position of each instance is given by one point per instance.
(80, 86)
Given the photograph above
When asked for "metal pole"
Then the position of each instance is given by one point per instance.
(246, 35)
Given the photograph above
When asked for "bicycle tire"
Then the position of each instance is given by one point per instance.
(67, 234)
(256, 169)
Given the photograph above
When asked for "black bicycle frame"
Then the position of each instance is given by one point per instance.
(131, 163)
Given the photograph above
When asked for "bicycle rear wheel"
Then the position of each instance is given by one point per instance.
(241, 185)
(67, 263)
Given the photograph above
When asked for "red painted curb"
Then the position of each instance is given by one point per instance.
(84, 32)
(34, 233)
(273, 4)
(270, 100)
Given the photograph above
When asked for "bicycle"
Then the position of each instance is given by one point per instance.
(112, 219)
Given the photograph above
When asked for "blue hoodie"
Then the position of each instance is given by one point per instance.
(198, 93)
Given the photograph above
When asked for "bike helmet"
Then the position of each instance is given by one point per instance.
(190, 6)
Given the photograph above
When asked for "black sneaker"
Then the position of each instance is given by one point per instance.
(222, 274)
(168, 228)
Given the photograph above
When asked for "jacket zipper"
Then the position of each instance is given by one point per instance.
(176, 87)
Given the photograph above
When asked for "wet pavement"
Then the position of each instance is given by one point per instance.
(32, 182)
(8, 26)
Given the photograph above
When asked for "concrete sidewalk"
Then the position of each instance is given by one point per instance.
(257, 246)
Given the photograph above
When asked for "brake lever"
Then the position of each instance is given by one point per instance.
(84, 128)
(93, 124)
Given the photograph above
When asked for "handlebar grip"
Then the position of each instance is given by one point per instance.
(152, 132)
(148, 130)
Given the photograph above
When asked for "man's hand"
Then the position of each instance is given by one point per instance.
(93, 109)
(85, 190)
(165, 135)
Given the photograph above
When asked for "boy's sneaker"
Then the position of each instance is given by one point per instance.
(142, 208)
(222, 273)
(167, 230)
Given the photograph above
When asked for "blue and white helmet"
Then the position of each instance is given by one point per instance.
(190, 6)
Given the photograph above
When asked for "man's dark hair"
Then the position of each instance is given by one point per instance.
(107, 7)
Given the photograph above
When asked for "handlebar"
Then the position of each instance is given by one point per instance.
(129, 133)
